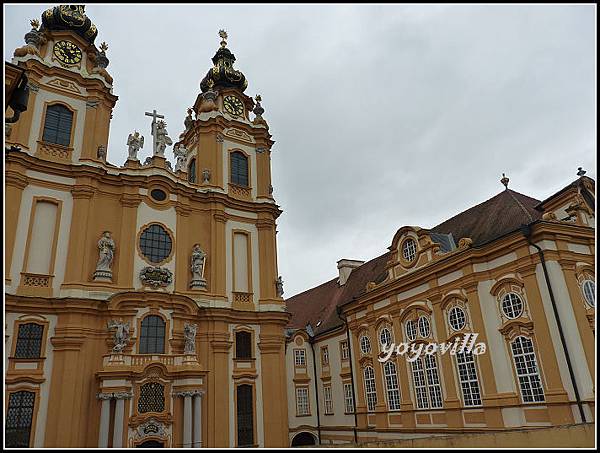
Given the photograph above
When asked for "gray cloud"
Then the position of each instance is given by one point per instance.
(383, 115)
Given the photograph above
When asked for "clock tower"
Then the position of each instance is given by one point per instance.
(70, 91)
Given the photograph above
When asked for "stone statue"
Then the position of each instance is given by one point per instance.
(181, 155)
(188, 120)
(206, 175)
(279, 286)
(106, 253)
(101, 152)
(197, 266)
(135, 142)
(159, 130)
(189, 331)
(121, 337)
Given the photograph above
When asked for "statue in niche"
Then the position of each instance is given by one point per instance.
(206, 175)
(162, 137)
(121, 337)
(106, 254)
(101, 153)
(198, 261)
(135, 141)
(189, 332)
(279, 286)
(181, 155)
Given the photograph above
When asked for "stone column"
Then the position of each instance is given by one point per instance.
(119, 418)
(104, 419)
(187, 421)
(197, 420)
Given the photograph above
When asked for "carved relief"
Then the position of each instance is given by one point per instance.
(156, 276)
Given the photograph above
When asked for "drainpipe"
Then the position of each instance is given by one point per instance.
(312, 347)
(354, 428)
(526, 230)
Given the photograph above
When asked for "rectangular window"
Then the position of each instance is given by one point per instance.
(241, 274)
(299, 357)
(344, 349)
(348, 399)
(428, 390)
(325, 355)
(40, 259)
(29, 341)
(467, 374)
(370, 389)
(243, 345)
(19, 418)
(302, 407)
(391, 383)
(527, 370)
(328, 400)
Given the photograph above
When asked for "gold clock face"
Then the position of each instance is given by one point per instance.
(233, 105)
(67, 52)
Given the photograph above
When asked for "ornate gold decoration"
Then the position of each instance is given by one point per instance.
(465, 243)
(504, 180)
(103, 46)
(258, 98)
(35, 23)
(223, 36)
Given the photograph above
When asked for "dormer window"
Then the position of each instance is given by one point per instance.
(409, 250)
(57, 125)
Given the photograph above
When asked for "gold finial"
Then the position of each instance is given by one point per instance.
(35, 23)
(223, 36)
(210, 83)
(504, 180)
(104, 46)
(258, 98)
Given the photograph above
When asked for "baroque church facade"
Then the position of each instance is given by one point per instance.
(142, 302)
(517, 272)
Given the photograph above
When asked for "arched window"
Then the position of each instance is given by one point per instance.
(245, 416)
(192, 171)
(239, 169)
(243, 345)
(18, 419)
(57, 126)
(409, 250)
(457, 318)
(370, 389)
(391, 384)
(424, 329)
(527, 370)
(411, 330)
(29, 341)
(152, 337)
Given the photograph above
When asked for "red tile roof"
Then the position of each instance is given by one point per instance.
(483, 223)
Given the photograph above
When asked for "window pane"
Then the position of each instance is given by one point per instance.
(243, 347)
(245, 415)
(18, 419)
(57, 125)
(239, 169)
(29, 341)
(152, 338)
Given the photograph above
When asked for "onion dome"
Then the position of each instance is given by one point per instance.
(70, 17)
(222, 74)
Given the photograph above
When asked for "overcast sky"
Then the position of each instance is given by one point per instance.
(383, 115)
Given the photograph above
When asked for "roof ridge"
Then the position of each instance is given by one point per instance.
(310, 289)
(510, 192)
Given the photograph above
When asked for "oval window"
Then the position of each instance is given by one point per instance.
(158, 195)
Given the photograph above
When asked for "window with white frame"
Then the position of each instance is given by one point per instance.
(325, 355)
(365, 345)
(344, 349)
(457, 318)
(348, 399)
(370, 389)
(385, 337)
(467, 374)
(424, 329)
(299, 357)
(302, 407)
(411, 330)
(589, 292)
(512, 305)
(328, 399)
(428, 390)
(391, 384)
(527, 370)
(409, 250)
